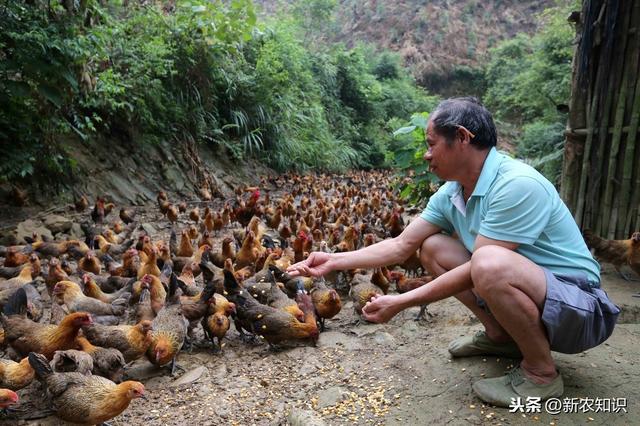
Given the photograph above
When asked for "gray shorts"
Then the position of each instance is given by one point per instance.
(577, 316)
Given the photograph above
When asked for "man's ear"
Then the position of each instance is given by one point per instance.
(464, 135)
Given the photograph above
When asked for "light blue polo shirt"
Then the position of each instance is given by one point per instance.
(513, 202)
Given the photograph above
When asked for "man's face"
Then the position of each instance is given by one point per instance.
(441, 156)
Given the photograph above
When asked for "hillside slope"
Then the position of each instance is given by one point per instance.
(444, 42)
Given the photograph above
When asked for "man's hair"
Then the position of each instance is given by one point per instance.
(468, 112)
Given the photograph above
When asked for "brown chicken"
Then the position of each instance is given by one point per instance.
(226, 252)
(163, 203)
(70, 294)
(84, 399)
(276, 298)
(156, 291)
(53, 249)
(194, 215)
(7, 398)
(380, 277)
(404, 284)
(107, 362)
(9, 272)
(169, 331)
(326, 301)
(112, 249)
(273, 324)
(91, 289)
(248, 254)
(362, 291)
(81, 204)
(126, 216)
(412, 264)
(90, 263)
(172, 213)
(245, 211)
(15, 375)
(25, 277)
(129, 267)
(15, 257)
(25, 336)
(273, 221)
(208, 220)
(186, 248)
(55, 274)
(216, 326)
(149, 265)
(616, 252)
(395, 224)
(131, 340)
(98, 213)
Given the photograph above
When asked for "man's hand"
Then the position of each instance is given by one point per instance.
(382, 308)
(316, 265)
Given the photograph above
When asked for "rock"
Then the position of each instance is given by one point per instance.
(148, 228)
(331, 396)
(299, 417)
(8, 238)
(57, 223)
(174, 178)
(190, 376)
(142, 371)
(28, 227)
(384, 338)
(76, 231)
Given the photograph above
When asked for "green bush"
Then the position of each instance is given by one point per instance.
(203, 72)
(542, 143)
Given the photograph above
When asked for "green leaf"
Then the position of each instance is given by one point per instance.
(17, 88)
(404, 130)
(419, 121)
(67, 75)
(51, 93)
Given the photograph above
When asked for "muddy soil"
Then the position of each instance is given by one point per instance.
(398, 373)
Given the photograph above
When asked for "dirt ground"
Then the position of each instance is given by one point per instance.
(390, 374)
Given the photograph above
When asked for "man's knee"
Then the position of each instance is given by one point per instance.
(489, 265)
(440, 253)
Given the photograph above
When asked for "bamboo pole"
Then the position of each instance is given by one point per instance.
(600, 199)
(586, 155)
(574, 146)
(607, 202)
(598, 163)
(629, 162)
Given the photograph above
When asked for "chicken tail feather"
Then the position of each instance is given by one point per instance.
(17, 303)
(40, 365)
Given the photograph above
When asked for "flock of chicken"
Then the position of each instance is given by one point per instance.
(76, 313)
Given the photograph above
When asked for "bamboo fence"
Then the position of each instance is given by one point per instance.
(600, 177)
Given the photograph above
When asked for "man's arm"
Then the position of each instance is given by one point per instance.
(389, 251)
(386, 252)
(383, 308)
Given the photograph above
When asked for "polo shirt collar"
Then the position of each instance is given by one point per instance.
(488, 174)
